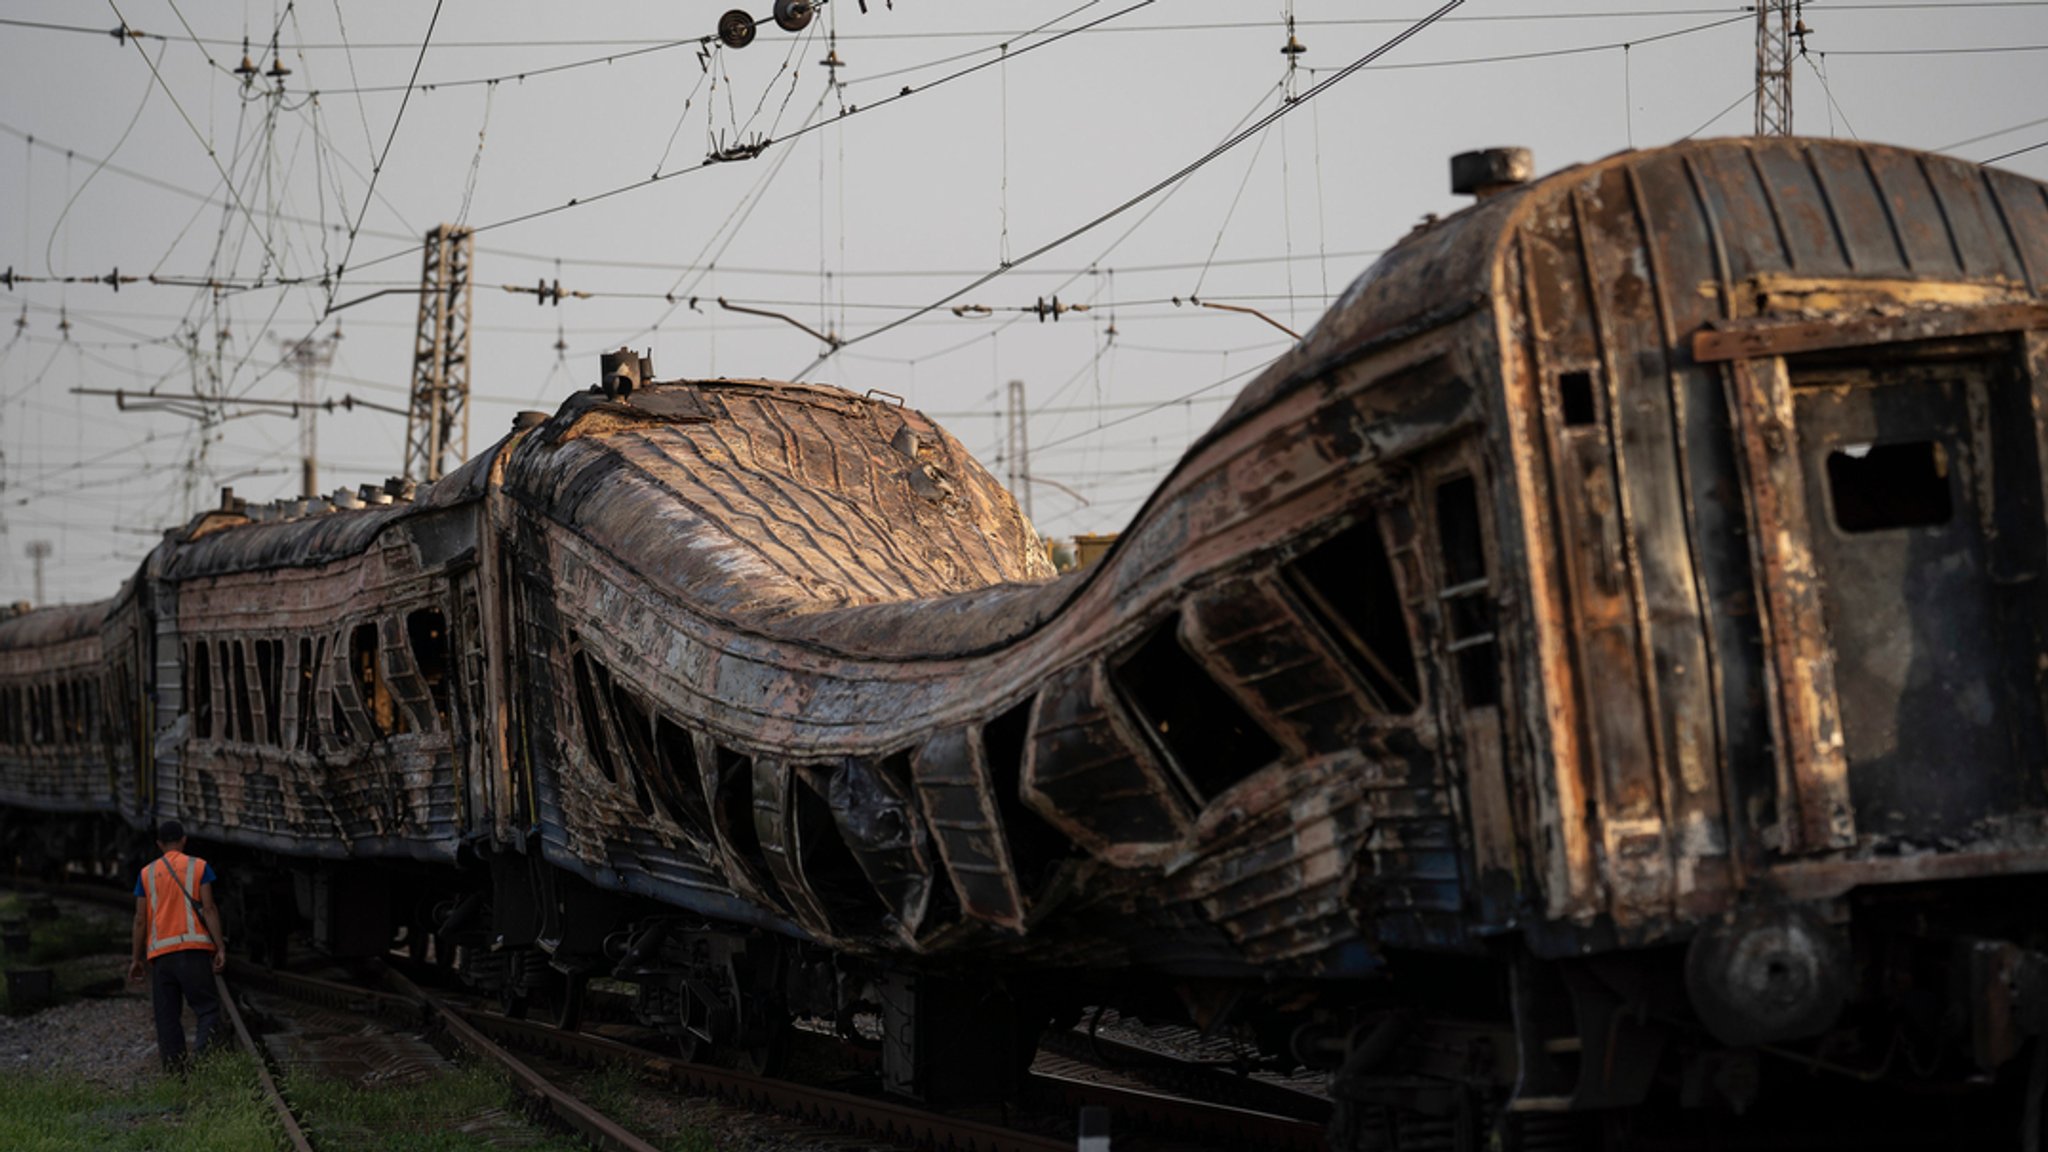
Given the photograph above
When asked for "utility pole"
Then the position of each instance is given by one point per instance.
(38, 551)
(309, 357)
(1780, 35)
(437, 418)
(1018, 448)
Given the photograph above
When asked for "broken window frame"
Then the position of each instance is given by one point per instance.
(199, 687)
(688, 806)
(346, 690)
(269, 653)
(410, 696)
(592, 712)
(1468, 605)
(245, 729)
(440, 689)
(1198, 782)
(1367, 663)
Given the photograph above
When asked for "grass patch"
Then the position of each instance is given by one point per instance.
(468, 1109)
(618, 1093)
(217, 1108)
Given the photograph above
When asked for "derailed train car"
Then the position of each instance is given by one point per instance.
(1599, 666)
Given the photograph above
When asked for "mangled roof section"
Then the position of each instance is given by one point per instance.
(756, 499)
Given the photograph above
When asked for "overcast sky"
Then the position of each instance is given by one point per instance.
(847, 227)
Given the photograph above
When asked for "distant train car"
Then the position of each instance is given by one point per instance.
(1597, 670)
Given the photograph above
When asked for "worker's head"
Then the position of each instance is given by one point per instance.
(170, 836)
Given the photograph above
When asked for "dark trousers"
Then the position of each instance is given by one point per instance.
(175, 980)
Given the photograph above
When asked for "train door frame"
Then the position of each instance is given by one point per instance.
(1816, 812)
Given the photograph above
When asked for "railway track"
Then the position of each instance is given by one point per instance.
(288, 1120)
(1062, 1089)
(1168, 1101)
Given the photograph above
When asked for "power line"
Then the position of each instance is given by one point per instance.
(1191, 168)
(377, 169)
(2016, 152)
(1211, 26)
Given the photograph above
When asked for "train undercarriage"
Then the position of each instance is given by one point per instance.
(1902, 1016)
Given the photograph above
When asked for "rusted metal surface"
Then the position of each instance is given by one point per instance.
(1767, 336)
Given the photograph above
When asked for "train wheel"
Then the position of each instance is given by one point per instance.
(764, 1053)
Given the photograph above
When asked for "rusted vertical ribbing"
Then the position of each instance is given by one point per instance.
(1649, 470)
(1637, 472)
(1570, 875)
(1659, 289)
(1592, 538)
(1800, 651)
(1719, 216)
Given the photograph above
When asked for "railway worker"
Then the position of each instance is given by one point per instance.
(177, 928)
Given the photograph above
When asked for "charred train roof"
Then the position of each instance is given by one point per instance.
(766, 501)
(56, 624)
(1753, 209)
(219, 543)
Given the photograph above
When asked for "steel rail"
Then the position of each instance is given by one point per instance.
(1161, 1071)
(1157, 1112)
(599, 1129)
(286, 1117)
(867, 1116)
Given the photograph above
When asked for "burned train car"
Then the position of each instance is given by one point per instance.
(1600, 665)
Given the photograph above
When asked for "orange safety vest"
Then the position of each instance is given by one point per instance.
(174, 923)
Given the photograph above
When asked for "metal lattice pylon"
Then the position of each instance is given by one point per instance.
(1774, 48)
(1017, 446)
(437, 419)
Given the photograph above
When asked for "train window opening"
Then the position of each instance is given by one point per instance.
(1197, 725)
(426, 633)
(1575, 399)
(735, 815)
(591, 719)
(202, 690)
(942, 905)
(1035, 845)
(1878, 487)
(828, 864)
(94, 727)
(1349, 586)
(66, 707)
(680, 784)
(378, 706)
(224, 686)
(338, 725)
(270, 686)
(1467, 594)
(245, 718)
(307, 738)
(636, 733)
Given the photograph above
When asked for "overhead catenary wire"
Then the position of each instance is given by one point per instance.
(1228, 144)
(377, 169)
(1208, 26)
